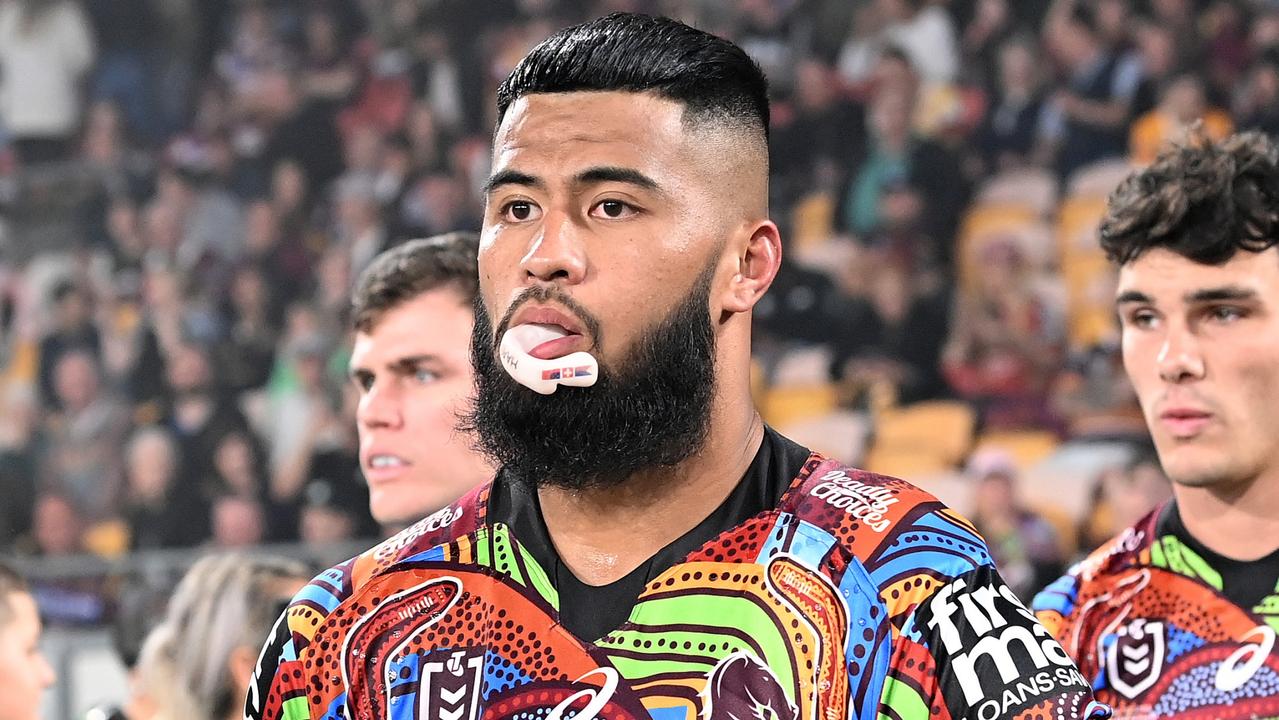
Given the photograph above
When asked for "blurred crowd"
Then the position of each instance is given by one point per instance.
(189, 188)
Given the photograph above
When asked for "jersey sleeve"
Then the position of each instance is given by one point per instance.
(971, 649)
(272, 688)
(278, 688)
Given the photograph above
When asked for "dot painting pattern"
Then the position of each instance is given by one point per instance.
(798, 612)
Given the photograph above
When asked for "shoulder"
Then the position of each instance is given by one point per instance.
(335, 585)
(897, 531)
(1126, 550)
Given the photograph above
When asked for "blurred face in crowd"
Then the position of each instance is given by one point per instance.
(151, 465)
(1201, 345)
(24, 672)
(237, 522)
(413, 374)
(56, 525)
(75, 380)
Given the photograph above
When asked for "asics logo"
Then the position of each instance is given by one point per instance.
(1243, 663)
(599, 697)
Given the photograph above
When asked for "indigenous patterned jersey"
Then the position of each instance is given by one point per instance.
(856, 596)
(1150, 619)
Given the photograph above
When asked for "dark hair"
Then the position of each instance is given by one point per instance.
(712, 78)
(1203, 200)
(415, 267)
(10, 583)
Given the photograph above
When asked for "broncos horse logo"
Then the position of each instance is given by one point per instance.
(743, 688)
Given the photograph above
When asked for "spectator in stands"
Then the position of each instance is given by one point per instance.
(238, 522)
(161, 508)
(24, 672)
(1157, 51)
(1023, 543)
(1012, 131)
(892, 337)
(46, 48)
(57, 527)
(1005, 340)
(1257, 107)
(1092, 111)
(197, 663)
(1181, 104)
(1094, 399)
(253, 331)
(810, 151)
(905, 184)
(81, 441)
(924, 31)
(72, 330)
(1121, 496)
(330, 512)
(199, 413)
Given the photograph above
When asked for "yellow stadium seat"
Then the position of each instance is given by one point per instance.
(795, 403)
(940, 428)
(1026, 447)
(905, 464)
(1098, 179)
(985, 221)
(812, 221)
(1029, 187)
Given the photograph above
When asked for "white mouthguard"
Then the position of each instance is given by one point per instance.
(579, 369)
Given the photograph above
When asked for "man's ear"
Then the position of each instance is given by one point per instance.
(758, 259)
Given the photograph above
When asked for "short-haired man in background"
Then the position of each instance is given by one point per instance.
(413, 310)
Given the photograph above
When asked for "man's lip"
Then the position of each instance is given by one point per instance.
(546, 315)
(376, 474)
(1184, 423)
(1180, 413)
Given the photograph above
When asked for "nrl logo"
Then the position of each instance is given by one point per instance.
(451, 683)
(1136, 657)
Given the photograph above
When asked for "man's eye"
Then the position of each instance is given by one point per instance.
(613, 209)
(425, 376)
(1226, 313)
(519, 211)
(1142, 319)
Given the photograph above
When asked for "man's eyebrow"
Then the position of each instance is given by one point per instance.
(1133, 296)
(410, 363)
(1217, 294)
(406, 364)
(512, 177)
(608, 173)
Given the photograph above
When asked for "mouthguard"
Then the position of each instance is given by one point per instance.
(579, 369)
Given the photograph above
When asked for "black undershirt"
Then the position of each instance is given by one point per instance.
(1244, 582)
(591, 612)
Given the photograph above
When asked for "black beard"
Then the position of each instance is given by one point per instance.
(652, 410)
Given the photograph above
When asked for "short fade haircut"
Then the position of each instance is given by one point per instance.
(1203, 200)
(713, 79)
(413, 268)
(11, 583)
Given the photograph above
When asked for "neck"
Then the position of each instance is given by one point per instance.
(604, 534)
(1240, 521)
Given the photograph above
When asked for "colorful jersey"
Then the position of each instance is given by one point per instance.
(1149, 622)
(857, 596)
